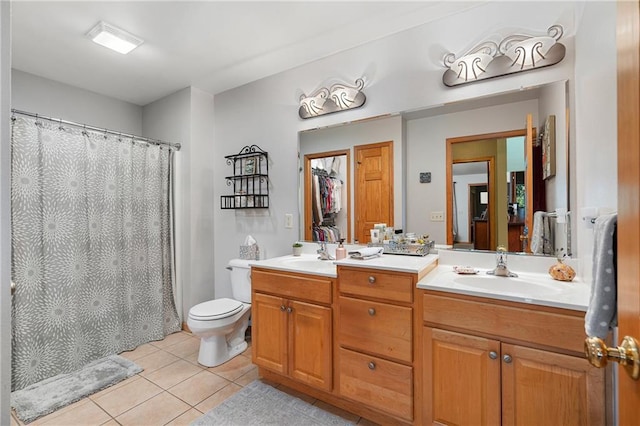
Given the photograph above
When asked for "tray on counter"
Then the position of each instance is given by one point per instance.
(406, 249)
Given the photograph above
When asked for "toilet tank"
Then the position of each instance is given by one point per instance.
(240, 279)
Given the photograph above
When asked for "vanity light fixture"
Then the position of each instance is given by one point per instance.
(114, 38)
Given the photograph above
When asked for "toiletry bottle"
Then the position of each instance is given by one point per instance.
(341, 252)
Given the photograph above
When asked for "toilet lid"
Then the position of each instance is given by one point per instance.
(215, 309)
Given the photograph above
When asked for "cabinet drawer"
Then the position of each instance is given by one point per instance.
(555, 329)
(379, 328)
(288, 285)
(373, 283)
(378, 383)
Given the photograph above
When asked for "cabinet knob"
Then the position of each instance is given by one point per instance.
(289, 309)
(283, 308)
(507, 358)
(493, 355)
(372, 311)
(372, 365)
(372, 279)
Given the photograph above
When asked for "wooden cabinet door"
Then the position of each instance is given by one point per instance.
(269, 332)
(310, 344)
(465, 379)
(547, 388)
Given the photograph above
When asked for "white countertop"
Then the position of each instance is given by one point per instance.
(530, 287)
(392, 262)
(306, 264)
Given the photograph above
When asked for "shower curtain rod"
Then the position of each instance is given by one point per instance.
(175, 146)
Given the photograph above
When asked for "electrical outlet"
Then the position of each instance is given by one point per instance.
(288, 220)
(437, 216)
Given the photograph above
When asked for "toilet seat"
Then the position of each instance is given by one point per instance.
(215, 309)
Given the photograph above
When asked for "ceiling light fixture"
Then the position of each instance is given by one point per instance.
(114, 38)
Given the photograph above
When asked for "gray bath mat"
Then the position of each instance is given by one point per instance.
(59, 391)
(261, 404)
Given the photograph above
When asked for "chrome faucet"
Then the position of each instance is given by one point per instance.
(323, 253)
(501, 269)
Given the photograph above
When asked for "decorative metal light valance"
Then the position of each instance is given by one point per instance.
(516, 53)
(339, 97)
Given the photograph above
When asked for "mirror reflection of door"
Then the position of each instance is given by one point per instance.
(471, 205)
(374, 188)
(326, 204)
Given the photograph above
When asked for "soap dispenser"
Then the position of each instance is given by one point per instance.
(341, 252)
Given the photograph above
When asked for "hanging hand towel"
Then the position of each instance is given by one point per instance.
(601, 313)
(366, 253)
(537, 236)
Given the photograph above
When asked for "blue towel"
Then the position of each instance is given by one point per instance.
(601, 313)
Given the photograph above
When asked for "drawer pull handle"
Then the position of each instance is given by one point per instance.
(372, 279)
(289, 309)
(372, 311)
(372, 365)
(283, 308)
(507, 358)
(493, 355)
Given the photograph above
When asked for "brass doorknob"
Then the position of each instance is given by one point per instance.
(626, 354)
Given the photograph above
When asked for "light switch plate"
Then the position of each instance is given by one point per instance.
(437, 216)
(288, 221)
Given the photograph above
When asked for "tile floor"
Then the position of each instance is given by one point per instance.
(173, 389)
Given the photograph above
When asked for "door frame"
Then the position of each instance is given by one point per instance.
(628, 47)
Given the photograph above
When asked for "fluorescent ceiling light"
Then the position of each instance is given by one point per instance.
(114, 38)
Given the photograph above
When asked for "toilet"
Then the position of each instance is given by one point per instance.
(221, 323)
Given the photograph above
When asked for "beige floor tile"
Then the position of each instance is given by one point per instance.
(185, 348)
(193, 359)
(338, 411)
(247, 352)
(186, 418)
(199, 387)
(85, 414)
(139, 352)
(158, 410)
(155, 361)
(248, 377)
(171, 339)
(114, 387)
(127, 397)
(110, 423)
(218, 397)
(173, 374)
(15, 421)
(233, 368)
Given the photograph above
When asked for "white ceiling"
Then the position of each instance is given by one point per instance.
(212, 45)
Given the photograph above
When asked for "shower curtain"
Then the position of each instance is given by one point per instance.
(91, 247)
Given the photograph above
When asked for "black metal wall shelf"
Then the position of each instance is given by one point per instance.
(250, 179)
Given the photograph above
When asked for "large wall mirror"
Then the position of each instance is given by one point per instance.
(495, 189)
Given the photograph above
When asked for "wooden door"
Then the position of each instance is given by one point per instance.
(547, 388)
(310, 348)
(465, 379)
(269, 332)
(374, 188)
(528, 184)
(628, 197)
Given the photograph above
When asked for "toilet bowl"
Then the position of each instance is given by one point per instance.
(221, 323)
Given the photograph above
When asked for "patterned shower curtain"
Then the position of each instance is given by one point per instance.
(92, 250)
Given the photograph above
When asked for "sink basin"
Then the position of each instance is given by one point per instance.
(308, 262)
(523, 286)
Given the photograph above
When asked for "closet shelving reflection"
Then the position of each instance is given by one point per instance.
(250, 179)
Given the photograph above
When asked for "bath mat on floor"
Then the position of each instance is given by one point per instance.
(261, 404)
(59, 391)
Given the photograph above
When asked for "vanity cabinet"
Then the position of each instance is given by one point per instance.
(375, 338)
(292, 326)
(492, 362)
